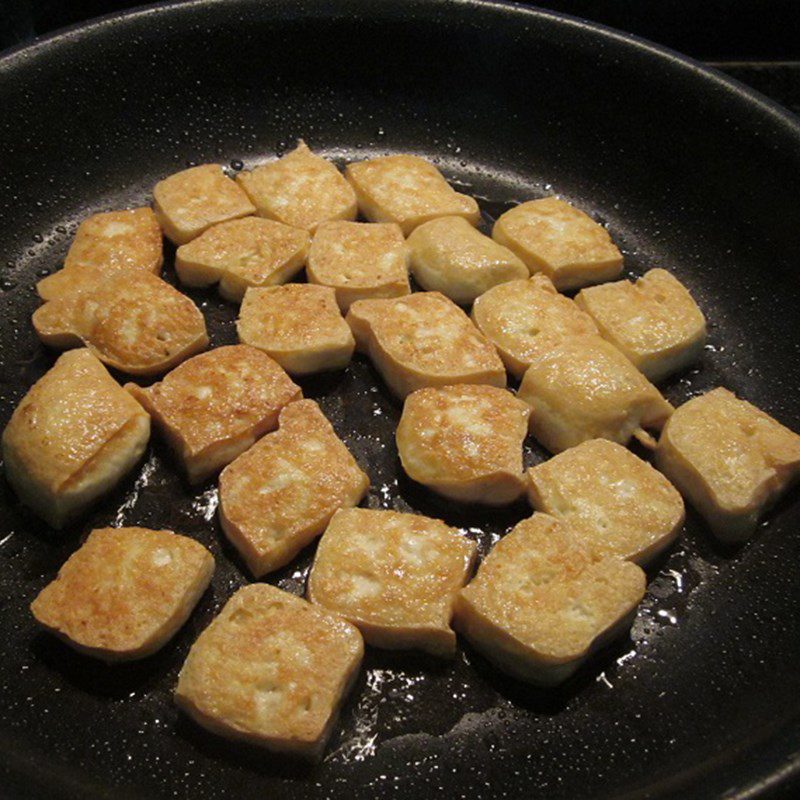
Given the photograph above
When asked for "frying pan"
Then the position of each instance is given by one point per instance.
(689, 171)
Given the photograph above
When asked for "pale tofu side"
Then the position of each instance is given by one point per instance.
(125, 592)
(654, 322)
(241, 253)
(423, 340)
(553, 237)
(465, 442)
(272, 670)
(539, 604)
(395, 576)
(214, 406)
(450, 256)
(406, 190)
(279, 495)
(359, 260)
(729, 459)
(71, 439)
(584, 388)
(521, 318)
(616, 504)
(300, 189)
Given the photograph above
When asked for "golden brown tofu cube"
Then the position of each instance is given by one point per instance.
(394, 576)
(189, 202)
(540, 604)
(553, 237)
(407, 190)
(616, 504)
(279, 495)
(301, 189)
(359, 260)
(272, 670)
(73, 436)
(729, 459)
(465, 442)
(423, 340)
(214, 406)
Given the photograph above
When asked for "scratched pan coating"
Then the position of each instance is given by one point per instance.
(689, 171)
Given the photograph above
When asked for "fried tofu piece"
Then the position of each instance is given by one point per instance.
(279, 495)
(130, 319)
(301, 189)
(615, 503)
(465, 442)
(125, 592)
(553, 237)
(584, 388)
(540, 604)
(654, 322)
(407, 190)
(360, 260)
(272, 670)
(394, 576)
(214, 406)
(242, 253)
(423, 340)
(729, 459)
(450, 256)
(71, 439)
(299, 325)
(523, 318)
(189, 202)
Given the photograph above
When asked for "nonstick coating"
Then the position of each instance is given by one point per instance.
(689, 171)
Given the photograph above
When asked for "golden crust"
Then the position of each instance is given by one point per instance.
(279, 495)
(214, 406)
(360, 260)
(615, 503)
(540, 605)
(729, 459)
(125, 592)
(407, 190)
(272, 670)
(465, 442)
(395, 576)
(242, 253)
(553, 237)
(423, 340)
(301, 189)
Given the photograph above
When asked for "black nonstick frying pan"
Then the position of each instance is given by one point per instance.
(689, 171)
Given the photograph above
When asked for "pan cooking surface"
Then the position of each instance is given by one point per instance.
(686, 172)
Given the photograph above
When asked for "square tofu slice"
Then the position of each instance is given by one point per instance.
(465, 442)
(553, 237)
(360, 260)
(423, 340)
(584, 388)
(242, 253)
(125, 593)
(273, 670)
(394, 576)
(73, 436)
(729, 459)
(522, 318)
(214, 406)
(654, 322)
(616, 504)
(189, 202)
(450, 256)
(279, 495)
(299, 325)
(540, 604)
(301, 189)
(407, 190)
